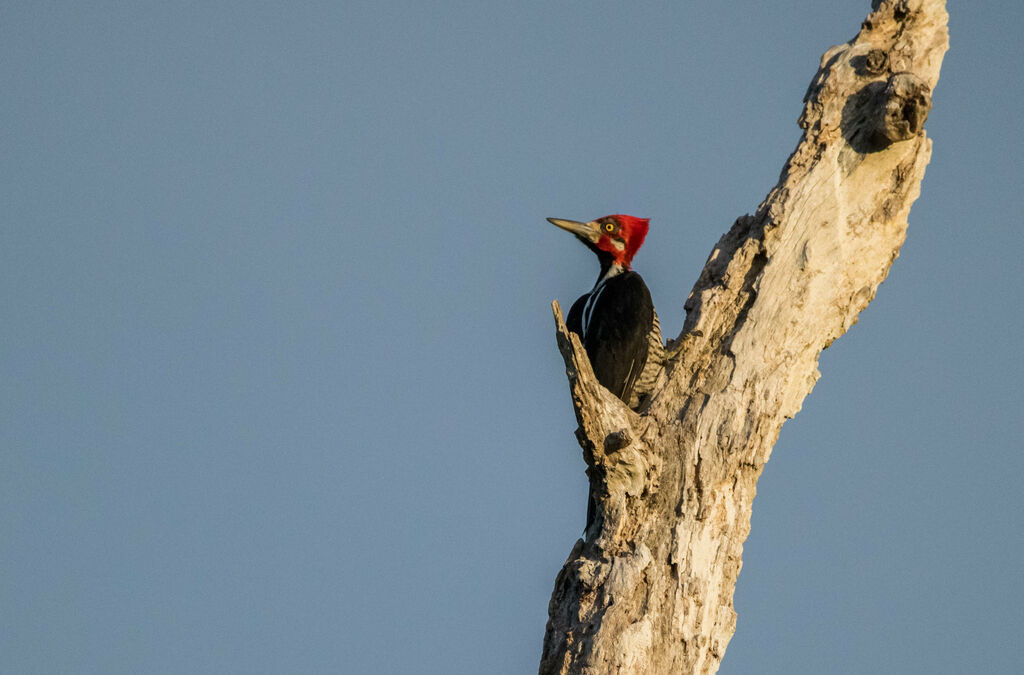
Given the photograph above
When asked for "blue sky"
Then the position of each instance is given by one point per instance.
(280, 390)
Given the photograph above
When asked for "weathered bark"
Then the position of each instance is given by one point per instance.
(652, 593)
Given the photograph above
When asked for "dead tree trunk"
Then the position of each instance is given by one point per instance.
(652, 593)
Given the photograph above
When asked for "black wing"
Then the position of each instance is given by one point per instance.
(617, 332)
(574, 320)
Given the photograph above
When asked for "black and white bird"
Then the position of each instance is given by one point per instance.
(616, 321)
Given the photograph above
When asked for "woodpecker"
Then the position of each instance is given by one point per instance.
(616, 321)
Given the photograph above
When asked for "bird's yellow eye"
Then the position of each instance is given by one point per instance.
(609, 227)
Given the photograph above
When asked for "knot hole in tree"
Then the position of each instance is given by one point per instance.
(885, 112)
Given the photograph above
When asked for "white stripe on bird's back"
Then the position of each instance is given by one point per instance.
(588, 307)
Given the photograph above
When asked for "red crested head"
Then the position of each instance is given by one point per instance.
(619, 235)
(632, 232)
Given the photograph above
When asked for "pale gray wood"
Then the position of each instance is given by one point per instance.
(650, 590)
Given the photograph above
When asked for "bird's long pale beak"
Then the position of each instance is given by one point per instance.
(589, 231)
